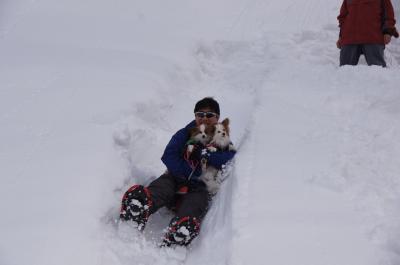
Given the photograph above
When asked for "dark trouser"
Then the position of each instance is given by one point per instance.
(193, 204)
(350, 54)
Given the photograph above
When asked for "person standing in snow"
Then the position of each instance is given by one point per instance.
(366, 26)
(139, 202)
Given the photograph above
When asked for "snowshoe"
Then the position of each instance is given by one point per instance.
(181, 231)
(136, 204)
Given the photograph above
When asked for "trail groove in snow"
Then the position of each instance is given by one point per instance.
(228, 66)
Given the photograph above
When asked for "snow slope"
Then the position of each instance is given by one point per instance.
(91, 92)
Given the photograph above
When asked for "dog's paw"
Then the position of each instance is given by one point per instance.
(213, 187)
(190, 148)
(205, 178)
(212, 149)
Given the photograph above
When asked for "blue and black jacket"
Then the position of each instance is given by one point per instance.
(178, 166)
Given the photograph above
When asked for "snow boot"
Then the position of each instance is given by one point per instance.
(181, 231)
(136, 204)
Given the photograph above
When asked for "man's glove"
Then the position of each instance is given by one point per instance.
(338, 44)
(391, 31)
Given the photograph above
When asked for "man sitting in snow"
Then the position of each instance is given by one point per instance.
(139, 202)
(366, 26)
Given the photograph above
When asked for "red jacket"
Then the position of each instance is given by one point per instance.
(366, 21)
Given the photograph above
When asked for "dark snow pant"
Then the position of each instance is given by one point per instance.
(193, 204)
(374, 55)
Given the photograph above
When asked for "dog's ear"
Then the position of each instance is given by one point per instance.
(225, 123)
(193, 131)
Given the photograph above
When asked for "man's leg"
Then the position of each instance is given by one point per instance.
(350, 54)
(195, 203)
(185, 226)
(374, 54)
(162, 191)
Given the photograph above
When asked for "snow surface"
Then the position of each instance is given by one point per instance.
(91, 92)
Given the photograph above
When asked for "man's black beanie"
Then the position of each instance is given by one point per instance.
(207, 102)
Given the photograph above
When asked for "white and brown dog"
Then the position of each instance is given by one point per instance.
(220, 142)
(202, 134)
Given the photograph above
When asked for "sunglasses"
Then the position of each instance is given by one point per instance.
(202, 114)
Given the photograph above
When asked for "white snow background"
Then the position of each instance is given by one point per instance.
(92, 91)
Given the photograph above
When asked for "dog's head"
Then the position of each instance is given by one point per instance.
(221, 137)
(202, 134)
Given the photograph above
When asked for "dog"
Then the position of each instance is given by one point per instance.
(220, 142)
(199, 135)
(221, 138)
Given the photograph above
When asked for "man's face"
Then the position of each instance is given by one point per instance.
(206, 116)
